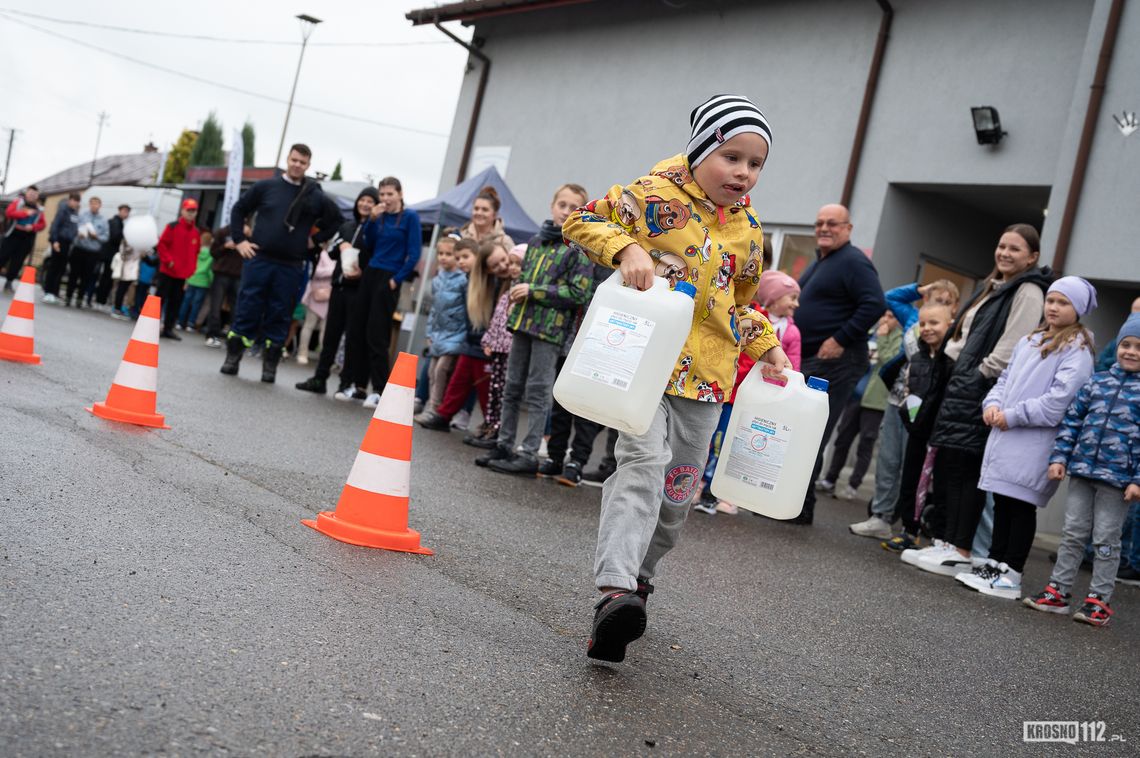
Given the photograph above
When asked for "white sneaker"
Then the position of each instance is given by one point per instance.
(302, 359)
(980, 576)
(947, 562)
(461, 421)
(846, 492)
(824, 485)
(372, 400)
(49, 299)
(1007, 584)
(729, 508)
(912, 556)
(872, 527)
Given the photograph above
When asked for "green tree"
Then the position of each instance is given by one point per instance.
(247, 137)
(208, 147)
(336, 176)
(179, 157)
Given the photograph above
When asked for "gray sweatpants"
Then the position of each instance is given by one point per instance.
(1095, 508)
(645, 502)
(531, 370)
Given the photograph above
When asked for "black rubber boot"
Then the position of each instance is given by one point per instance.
(234, 349)
(269, 362)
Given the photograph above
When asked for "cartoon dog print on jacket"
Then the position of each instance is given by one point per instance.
(669, 266)
(683, 375)
(627, 212)
(709, 393)
(679, 175)
(663, 215)
(754, 263)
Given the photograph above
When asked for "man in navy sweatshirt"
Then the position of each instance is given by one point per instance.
(287, 208)
(840, 300)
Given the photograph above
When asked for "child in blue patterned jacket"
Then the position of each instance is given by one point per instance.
(1099, 447)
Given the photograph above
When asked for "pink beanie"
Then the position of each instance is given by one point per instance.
(774, 285)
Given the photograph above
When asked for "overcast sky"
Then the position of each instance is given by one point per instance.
(52, 89)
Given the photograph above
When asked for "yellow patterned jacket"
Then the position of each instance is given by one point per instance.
(718, 250)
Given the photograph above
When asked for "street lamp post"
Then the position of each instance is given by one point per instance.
(308, 23)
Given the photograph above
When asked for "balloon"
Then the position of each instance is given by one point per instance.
(140, 232)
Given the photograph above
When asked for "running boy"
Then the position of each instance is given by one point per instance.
(689, 220)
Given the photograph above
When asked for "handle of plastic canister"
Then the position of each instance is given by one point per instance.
(788, 374)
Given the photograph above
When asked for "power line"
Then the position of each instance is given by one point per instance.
(250, 93)
(208, 38)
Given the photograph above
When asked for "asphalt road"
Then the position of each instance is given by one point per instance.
(158, 594)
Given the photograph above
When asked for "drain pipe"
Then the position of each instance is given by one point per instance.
(1084, 148)
(868, 101)
(477, 108)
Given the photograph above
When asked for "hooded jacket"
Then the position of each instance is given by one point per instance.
(1099, 437)
(65, 225)
(447, 320)
(560, 279)
(1034, 393)
(178, 249)
(350, 232)
(691, 239)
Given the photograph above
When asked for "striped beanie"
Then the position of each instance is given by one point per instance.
(719, 119)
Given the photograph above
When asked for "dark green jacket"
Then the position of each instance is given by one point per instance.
(560, 279)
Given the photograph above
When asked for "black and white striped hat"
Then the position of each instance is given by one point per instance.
(719, 119)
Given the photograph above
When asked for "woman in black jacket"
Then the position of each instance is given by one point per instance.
(354, 373)
(1007, 307)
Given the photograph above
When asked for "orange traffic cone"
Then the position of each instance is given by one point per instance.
(373, 506)
(17, 335)
(134, 391)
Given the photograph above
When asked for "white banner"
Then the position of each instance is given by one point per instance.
(233, 178)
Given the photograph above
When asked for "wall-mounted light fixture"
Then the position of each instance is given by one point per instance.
(987, 125)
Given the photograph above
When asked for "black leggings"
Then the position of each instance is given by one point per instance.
(171, 291)
(81, 273)
(121, 292)
(956, 475)
(913, 460)
(1015, 525)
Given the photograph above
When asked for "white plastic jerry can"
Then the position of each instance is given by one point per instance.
(623, 356)
(769, 449)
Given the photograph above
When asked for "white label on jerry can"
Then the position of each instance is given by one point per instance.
(613, 348)
(758, 450)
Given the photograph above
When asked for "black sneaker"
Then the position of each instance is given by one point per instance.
(597, 477)
(644, 589)
(524, 465)
(313, 384)
(169, 335)
(1128, 575)
(549, 469)
(571, 474)
(494, 454)
(434, 421)
(1049, 600)
(485, 439)
(619, 620)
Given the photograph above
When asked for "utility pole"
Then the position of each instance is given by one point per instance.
(308, 23)
(8, 161)
(103, 117)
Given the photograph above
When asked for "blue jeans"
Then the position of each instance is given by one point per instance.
(888, 469)
(191, 304)
(717, 440)
(266, 299)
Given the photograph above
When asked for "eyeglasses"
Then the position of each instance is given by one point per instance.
(831, 224)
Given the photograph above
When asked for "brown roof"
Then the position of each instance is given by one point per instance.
(120, 170)
(469, 10)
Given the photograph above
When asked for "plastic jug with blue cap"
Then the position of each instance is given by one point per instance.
(623, 356)
(769, 449)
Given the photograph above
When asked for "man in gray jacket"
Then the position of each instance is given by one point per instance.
(93, 233)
